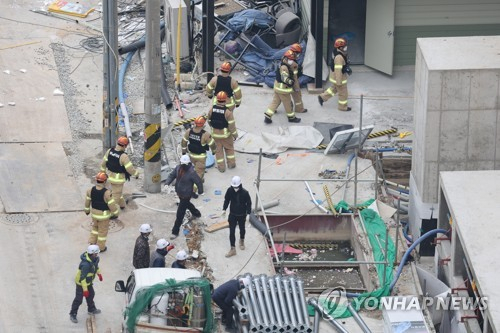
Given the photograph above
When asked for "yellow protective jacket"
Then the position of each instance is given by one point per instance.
(235, 94)
(225, 132)
(206, 139)
(337, 77)
(87, 270)
(119, 177)
(286, 75)
(98, 213)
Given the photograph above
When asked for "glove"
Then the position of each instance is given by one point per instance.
(237, 105)
(170, 247)
(87, 213)
(86, 293)
(100, 277)
(290, 82)
(210, 96)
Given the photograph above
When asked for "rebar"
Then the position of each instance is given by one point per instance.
(289, 302)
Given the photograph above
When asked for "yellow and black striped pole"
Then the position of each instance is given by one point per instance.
(187, 121)
(382, 133)
(329, 200)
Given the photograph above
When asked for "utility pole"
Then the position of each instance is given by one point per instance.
(110, 74)
(152, 106)
(208, 23)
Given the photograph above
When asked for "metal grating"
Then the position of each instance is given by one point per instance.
(19, 219)
(114, 225)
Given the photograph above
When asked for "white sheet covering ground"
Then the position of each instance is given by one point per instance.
(299, 137)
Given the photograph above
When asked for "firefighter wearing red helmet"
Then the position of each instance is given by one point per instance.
(297, 72)
(338, 76)
(224, 132)
(197, 142)
(119, 169)
(100, 203)
(224, 82)
(283, 88)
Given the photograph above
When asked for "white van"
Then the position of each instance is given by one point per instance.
(180, 311)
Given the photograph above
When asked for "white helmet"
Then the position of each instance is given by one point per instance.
(145, 228)
(162, 243)
(245, 281)
(93, 249)
(185, 159)
(236, 181)
(181, 255)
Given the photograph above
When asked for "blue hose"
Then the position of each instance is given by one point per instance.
(405, 258)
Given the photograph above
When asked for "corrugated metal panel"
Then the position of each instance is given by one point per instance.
(446, 12)
(405, 37)
(306, 14)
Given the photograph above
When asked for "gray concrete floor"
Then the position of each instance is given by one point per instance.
(42, 249)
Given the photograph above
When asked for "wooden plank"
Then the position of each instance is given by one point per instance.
(36, 178)
(217, 226)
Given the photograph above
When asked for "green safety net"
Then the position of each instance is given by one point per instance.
(344, 207)
(144, 298)
(376, 232)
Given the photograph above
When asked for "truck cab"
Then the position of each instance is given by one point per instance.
(165, 306)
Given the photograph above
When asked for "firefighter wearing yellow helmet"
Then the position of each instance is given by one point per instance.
(340, 69)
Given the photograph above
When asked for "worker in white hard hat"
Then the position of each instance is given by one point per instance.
(163, 247)
(185, 178)
(141, 248)
(180, 260)
(224, 295)
(240, 205)
(87, 271)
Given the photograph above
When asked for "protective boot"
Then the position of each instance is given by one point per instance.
(242, 244)
(231, 252)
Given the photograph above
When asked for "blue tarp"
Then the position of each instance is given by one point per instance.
(260, 57)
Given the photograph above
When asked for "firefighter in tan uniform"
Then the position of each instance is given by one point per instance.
(297, 71)
(119, 167)
(224, 132)
(101, 204)
(283, 87)
(197, 141)
(224, 82)
(338, 76)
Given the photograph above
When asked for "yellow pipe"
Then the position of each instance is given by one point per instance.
(178, 55)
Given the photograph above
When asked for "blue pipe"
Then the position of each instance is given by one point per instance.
(405, 258)
(123, 69)
(391, 149)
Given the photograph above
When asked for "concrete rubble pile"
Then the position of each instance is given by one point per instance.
(273, 304)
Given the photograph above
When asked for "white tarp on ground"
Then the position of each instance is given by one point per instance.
(300, 137)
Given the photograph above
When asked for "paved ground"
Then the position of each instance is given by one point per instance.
(43, 248)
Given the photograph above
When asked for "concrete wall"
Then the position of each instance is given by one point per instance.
(457, 116)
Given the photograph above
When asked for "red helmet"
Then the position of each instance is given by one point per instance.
(296, 48)
(340, 42)
(221, 97)
(122, 141)
(200, 121)
(290, 55)
(225, 67)
(101, 177)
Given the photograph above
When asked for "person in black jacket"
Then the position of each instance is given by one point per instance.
(224, 295)
(163, 247)
(241, 206)
(185, 177)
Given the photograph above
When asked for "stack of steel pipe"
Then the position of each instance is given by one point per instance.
(273, 304)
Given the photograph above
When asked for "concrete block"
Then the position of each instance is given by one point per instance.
(482, 130)
(455, 90)
(484, 90)
(431, 182)
(453, 136)
(452, 166)
(480, 165)
(497, 136)
(434, 93)
(432, 135)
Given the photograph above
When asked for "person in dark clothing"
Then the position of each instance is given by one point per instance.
(180, 261)
(224, 295)
(87, 270)
(241, 206)
(185, 177)
(141, 248)
(158, 256)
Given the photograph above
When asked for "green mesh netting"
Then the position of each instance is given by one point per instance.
(344, 207)
(375, 228)
(143, 300)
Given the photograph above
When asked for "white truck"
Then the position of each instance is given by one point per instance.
(155, 303)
